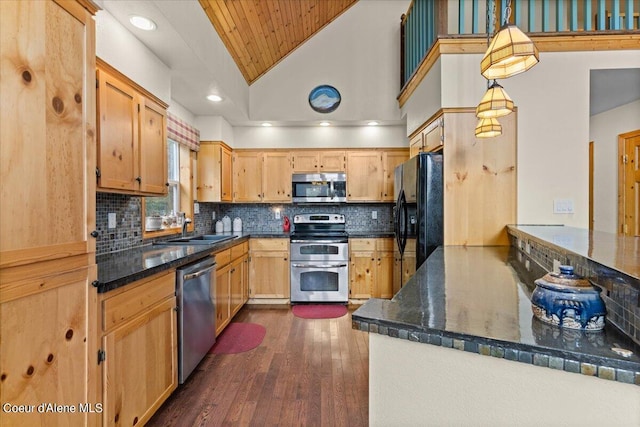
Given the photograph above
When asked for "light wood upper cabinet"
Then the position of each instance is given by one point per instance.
(276, 177)
(153, 147)
(315, 161)
(415, 144)
(391, 159)
(132, 145)
(269, 275)
(214, 172)
(247, 176)
(364, 176)
(47, 157)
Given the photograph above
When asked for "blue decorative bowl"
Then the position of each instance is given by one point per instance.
(569, 301)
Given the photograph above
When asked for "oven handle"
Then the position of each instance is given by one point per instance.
(318, 265)
(320, 241)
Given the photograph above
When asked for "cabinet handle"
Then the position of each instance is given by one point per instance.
(95, 283)
(94, 233)
(139, 179)
(166, 184)
(285, 259)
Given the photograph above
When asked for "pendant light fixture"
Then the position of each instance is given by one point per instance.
(510, 52)
(488, 128)
(494, 103)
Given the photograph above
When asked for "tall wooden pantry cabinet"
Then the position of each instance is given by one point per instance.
(47, 175)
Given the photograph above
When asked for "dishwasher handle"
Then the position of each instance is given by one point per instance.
(198, 273)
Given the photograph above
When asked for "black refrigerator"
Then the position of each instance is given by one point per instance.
(418, 213)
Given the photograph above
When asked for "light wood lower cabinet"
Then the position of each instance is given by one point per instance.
(371, 268)
(402, 273)
(231, 283)
(139, 349)
(269, 269)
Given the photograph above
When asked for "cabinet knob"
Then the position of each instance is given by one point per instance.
(139, 179)
(95, 283)
(166, 184)
(94, 233)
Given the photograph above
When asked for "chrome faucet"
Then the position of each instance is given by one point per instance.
(185, 222)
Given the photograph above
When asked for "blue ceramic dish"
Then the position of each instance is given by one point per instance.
(569, 301)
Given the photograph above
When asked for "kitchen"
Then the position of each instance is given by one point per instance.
(292, 106)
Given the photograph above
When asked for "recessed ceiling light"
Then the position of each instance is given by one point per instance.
(142, 23)
(214, 98)
(267, 124)
(325, 124)
(373, 123)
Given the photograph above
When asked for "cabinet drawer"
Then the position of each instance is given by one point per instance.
(362, 244)
(128, 304)
(385, 244)
(238, 250)
(223, 258)
(269, 244)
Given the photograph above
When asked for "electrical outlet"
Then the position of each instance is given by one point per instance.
(277, 214)
(111, 217)
(196, 208)
(556, 266)
(563, 206)
(374, 214)
(213, 215)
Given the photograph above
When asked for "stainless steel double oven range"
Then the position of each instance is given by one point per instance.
(319, 259)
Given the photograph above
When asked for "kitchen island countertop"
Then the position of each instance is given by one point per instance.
(477, 299)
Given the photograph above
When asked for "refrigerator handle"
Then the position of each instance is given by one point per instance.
(396, 221)
(405, 217)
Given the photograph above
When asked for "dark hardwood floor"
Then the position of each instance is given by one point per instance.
(306, 372)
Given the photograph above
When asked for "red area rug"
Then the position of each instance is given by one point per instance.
(239, 337)
(319, 311)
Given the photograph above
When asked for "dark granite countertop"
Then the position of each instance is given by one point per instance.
(477, 299)
(618, 252)
(117, 269)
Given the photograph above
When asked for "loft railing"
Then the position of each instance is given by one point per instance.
(426, 20)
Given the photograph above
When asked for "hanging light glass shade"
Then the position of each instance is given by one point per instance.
(494, 103)
(511, 52)
(488, 128)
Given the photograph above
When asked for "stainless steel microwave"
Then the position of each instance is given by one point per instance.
(319, 187)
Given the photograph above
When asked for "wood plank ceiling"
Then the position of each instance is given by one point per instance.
(260, 33)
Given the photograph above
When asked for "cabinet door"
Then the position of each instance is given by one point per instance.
(209, 172)
(332, 161)
(153, 148)
(276, 177)
(269, 274)
(384, 275)
(235, 284)
(245, 278)
(415, 145)
(44, 346)
(432, 136)
(362, 274)
(118, 134)
(226, 176)
(222, 298)
(140, 366)
(47, 129)
(247, 177)
(364, 176)
(391, 159)
(305, 161)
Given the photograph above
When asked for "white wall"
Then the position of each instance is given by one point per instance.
(415, 384)
(321, 137)
(178, 110)
(603, 131)
(215, 128)
(363, 65)
(553, 123)
(123, 51)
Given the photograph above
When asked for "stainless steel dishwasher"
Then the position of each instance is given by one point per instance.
(195, 291)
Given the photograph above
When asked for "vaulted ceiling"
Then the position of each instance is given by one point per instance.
(260, 33)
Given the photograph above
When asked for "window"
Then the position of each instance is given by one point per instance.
(179, 196)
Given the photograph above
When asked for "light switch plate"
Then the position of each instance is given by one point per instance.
(374, 214)
(111, 219)
(196, 208)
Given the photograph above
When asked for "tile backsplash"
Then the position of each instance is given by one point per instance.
(255, 218)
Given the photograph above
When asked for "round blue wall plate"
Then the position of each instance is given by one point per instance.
(324, 99)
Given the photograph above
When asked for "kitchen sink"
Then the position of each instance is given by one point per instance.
(204, 239)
